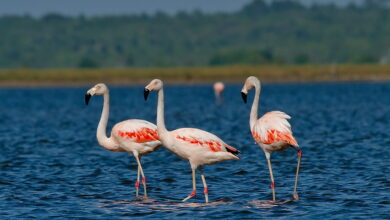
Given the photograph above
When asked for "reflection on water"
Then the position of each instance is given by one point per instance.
(158, 205)
(269, 203)
(51, 165)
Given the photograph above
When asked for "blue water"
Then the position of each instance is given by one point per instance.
(51, 164)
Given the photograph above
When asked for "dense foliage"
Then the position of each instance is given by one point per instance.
(260, 33)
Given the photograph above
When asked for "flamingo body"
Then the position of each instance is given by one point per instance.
(272, 132)
(136, 135)
(199, 147)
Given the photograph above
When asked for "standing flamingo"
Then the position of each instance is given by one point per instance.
(218, 90)
(272, 132)
(197, 146)
(137, 137)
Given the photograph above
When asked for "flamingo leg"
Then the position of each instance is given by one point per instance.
(295, 194)
(142, 174)
(268, 156)
(193, 193)
(206, 190)
(137, 182)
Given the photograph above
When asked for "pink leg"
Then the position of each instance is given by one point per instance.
(137, 183)
(193, 193)
(144, 184)
(268, 156)
(295, 194)
(142, 174)
(206, 189)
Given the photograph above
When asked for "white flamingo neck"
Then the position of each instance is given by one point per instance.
(101, 134)
(255, 105)
(161, 129)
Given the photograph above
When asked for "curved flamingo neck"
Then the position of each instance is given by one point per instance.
(101, 134)
(255, 105)
(161, 129)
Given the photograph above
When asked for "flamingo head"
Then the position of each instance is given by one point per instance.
(98, 89)
(250, 83)
(154, 85)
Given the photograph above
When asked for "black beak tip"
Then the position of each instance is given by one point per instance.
(244, 97)
(87, 98)
(146, 93)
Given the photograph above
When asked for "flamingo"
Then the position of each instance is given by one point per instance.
(137, 137)
(197, 146)
(272, 132)
(218, 90)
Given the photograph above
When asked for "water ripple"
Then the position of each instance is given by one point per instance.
(52, 167)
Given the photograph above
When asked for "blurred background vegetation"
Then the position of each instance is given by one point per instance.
(261, 33)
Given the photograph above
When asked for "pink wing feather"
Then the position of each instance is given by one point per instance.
(135, 130)
(273, 127)
(201, 138)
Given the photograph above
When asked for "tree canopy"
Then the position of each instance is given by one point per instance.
(281, 32)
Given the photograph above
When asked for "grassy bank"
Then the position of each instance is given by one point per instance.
(305, 73)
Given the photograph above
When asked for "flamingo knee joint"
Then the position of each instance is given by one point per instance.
(193, 193)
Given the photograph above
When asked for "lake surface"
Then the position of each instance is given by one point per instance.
(52, 166)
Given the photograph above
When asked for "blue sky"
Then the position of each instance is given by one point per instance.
(107, 7)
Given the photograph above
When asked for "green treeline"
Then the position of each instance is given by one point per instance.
(282, 32)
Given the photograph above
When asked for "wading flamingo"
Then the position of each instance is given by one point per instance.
(137, 137)
(272, 132)
(218, 90)
(197, 146)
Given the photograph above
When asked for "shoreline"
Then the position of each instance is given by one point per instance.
(169, 83)
(15, 78)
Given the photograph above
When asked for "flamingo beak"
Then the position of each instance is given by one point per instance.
(87, 98)
(244, 97)
(146, 93)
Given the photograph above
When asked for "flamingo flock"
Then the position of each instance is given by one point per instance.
(272, 132)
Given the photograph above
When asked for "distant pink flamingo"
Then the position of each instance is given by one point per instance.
(272, 132)
(137, 137)
(218, 90)
(197, 146)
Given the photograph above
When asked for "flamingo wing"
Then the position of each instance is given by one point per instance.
(204, 139)
(135, 130)
(273, 127)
